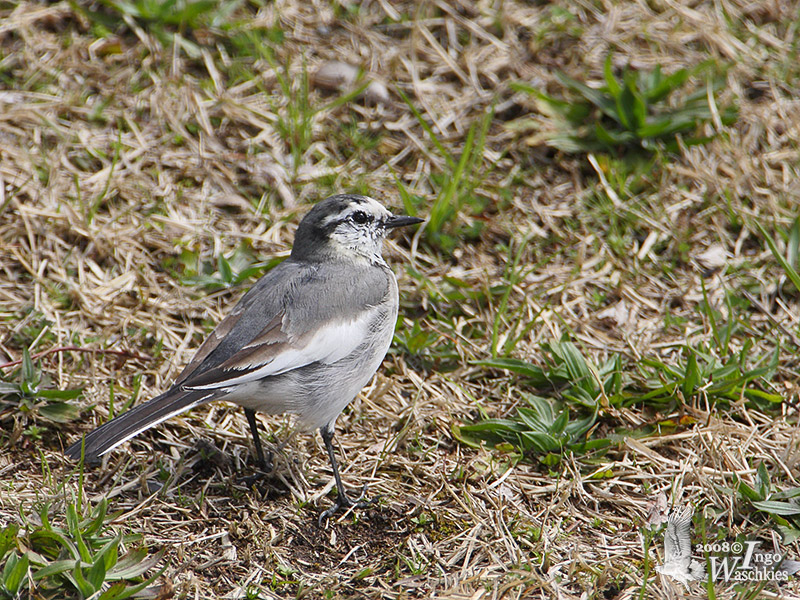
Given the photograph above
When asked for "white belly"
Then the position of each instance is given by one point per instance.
(317, 393)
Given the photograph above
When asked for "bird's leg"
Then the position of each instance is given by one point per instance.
(265, 461)
(342, 499)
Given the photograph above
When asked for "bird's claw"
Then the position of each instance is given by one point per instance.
(265, 469)
(344, 502)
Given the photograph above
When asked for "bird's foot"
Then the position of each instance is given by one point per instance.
(266, 467)
(344, 502)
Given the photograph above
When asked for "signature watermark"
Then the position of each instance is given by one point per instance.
(744, 561)
(730, 562)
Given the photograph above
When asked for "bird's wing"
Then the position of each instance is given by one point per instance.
(696, 570)
(212, 341)
(677, 538)
(295, 315)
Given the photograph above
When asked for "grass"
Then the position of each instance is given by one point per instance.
(583, 329)
(64, 548)
(547, 431)
(629, 112)
(32, 401)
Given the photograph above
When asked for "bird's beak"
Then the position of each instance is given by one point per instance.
(400, 221)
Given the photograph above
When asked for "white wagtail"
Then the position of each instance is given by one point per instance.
(303, 340)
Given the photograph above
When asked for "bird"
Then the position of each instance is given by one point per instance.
(304, 340)
(678, 562)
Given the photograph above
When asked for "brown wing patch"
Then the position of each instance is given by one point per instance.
(269, 342)
(208, 346)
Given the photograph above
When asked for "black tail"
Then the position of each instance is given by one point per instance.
(110, 435)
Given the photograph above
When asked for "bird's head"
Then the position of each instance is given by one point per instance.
(346, 226)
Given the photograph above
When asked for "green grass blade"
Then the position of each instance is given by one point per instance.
(428, 129)
(520, 367)
(787, 268)
(597, 97)
(666, 85)
(16, 573)
(793, 244)
(613, 86)
(774, 507)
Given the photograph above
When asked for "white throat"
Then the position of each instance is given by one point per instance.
(359, 243)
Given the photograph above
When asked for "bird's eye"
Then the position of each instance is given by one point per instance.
(360, 217)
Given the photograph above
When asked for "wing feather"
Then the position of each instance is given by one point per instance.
(677, 538)
(331, 342)
(209, 345)
(289, 319)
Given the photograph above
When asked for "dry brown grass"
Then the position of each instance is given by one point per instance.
(119, 153)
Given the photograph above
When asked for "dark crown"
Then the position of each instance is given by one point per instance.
(314, 230)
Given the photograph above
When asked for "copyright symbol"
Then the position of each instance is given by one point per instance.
(736, 547)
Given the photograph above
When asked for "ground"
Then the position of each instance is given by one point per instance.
(155, 159)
